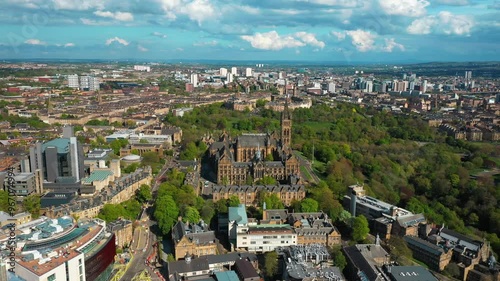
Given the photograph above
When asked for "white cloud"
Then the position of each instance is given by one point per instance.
(120, 16)
(196, 10)
(249, 10)
(340, 35)
(366, 41)
(209, 43)
(273, 41)
(309, 39)
(35, 42)
(118, 40)
(453, 2)
(199, 10)
(390, 44)
(78, 5)
(363, 40)
(442, 23)
(159, 34)
(409, 8)
(142, 49)
(340, 3)
(69, 45)
(94, 22)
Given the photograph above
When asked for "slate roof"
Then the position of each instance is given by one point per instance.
(422, 244)
(411, 273)
(246, 269)
(182, 266)
(359, 262)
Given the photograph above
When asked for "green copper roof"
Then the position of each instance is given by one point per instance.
(62, 145)
(97, 176)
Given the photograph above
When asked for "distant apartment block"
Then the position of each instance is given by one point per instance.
(73, 81)
(142, 68)
(89, 83)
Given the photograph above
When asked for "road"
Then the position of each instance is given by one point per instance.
(307, 165)
(142, 249)
(144, 239)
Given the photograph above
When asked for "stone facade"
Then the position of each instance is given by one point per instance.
(251, 157)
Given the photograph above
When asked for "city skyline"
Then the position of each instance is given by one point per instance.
(301, 30)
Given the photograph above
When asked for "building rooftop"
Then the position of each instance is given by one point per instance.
(44, 255)
(238, 214)
(246, 269)
(62, 145)
(422, 244)
(185, 266)
(410, 273)
(226, 276)
(97, 175)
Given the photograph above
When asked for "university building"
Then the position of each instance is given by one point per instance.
(250, 157)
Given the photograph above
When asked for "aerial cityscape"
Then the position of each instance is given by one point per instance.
(318, 140)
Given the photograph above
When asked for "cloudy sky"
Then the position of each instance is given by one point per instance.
(308, 30)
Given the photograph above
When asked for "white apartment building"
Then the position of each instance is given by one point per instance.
(223, 71)
(248, 72)
(234, 71)
(73, 81)
(142, 68)
(194, 80)
(265, 237)
(229, 78)
(89, 83)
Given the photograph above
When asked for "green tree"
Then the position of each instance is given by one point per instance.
(398, 248)
(233, 201)
(267, 180)
(31, 204)
(207, 212)
(149, 158)
(345, 216)
(170, 258)
(339, 259)
(452, 270)
(273, 202)
(111, 212)
(118, 144)
(309, 205)
(143, 194)
(260, 103)
(271, 264)
(360, 228)
(166, 213)
(191, 215)
(131, 168)
(221, 207)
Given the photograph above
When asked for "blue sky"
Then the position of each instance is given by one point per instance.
(302, 30)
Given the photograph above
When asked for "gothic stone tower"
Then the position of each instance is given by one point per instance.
(286, 126)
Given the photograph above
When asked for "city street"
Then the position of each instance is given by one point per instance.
(144, 239)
